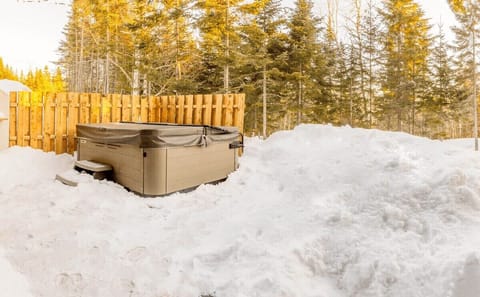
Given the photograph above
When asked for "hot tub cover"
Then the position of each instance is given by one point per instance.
(149, 135)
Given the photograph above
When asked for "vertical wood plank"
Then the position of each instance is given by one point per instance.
(73, 118)
(189, 110)
(106, 102)
(61, 113)
(227, 115)
(23, 118)
(164, 112)
(36, 104)
(116, 108)
(239, 111)
(126, 115)
(197, 109)
(95, 108)
(13, 137)
(144, 108)
(155, 109)
(181, 109)
(207, 111)
(135, 102)
(172, 109)
(217, 115)
(84, 109)
(49, 122)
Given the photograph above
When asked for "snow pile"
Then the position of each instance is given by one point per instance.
(318, 211)
(12, 283)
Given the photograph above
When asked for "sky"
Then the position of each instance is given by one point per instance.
(31, 30)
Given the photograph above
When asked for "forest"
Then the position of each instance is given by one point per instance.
(388, 67)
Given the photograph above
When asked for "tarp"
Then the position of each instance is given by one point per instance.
(149, 135)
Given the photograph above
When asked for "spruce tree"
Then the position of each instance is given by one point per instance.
(467, 40)
(303, 49)
(262, 47)
(406, 48)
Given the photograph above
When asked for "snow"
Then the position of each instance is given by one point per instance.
(317, 211)
(8, 86)
(12, 283)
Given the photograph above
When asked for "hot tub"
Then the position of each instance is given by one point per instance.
(158, 159)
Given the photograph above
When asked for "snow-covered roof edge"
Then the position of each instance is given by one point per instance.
(7, 86)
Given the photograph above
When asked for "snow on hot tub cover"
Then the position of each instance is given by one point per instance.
(150, 135)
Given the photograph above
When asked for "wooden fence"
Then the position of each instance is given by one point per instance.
(48, 121)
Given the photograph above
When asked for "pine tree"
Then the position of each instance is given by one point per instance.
(467, 35)
(406, 49)
(262, 47)
(6, 72)
(365, 41)
(303, 48)
(218, 26)
(441, 110)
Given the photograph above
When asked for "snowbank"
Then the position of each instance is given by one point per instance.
(318, 211)
(12, 283)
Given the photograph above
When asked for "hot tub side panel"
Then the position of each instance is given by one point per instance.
(155, 171)
(187, 167)
(126, 160)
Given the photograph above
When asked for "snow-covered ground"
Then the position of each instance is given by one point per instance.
(317, 211)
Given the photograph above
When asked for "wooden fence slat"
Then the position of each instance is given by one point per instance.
(13, 119)
(181, 109)
(73, 118)
(164, 110)
(154, 109)
(126, 115)
(106, 102)
(136, 109)
(227, 115)
(144, 109)
(239, 111)
(116, 107)
(217, 115)
(84, 109)
(36, 120)
(61, 112)
(207, 111)
(198, 108)
(23, 118)
(95, 108)
(49, 121)
(172, 109)
(189, 112)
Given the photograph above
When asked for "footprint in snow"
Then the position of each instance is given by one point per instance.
(71, 283)
(136, 254)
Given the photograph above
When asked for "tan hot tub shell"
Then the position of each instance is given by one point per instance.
(158, 159)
